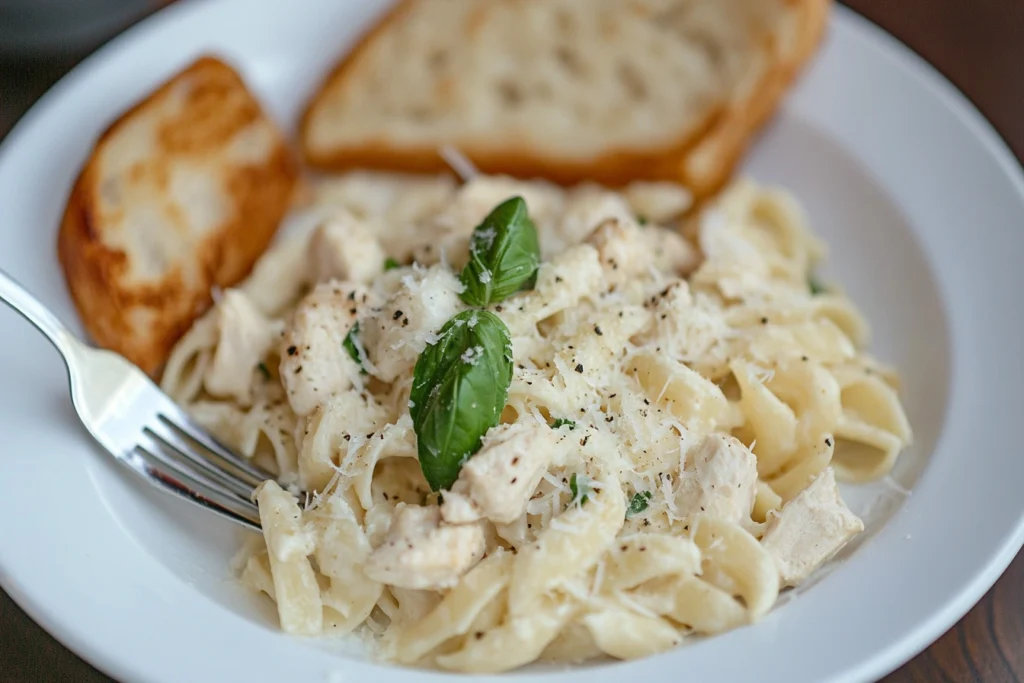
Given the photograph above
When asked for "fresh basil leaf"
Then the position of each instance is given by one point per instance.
(391, 264)
(504, 255)
(580, 489)
(638, 503)
(459, 389)
(563, 422)
(815, 285)
(350, 344)
(264, 370)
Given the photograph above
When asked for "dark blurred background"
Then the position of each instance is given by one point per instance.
(977, 44)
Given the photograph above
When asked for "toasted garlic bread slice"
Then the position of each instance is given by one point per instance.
(570, 90)
(179, 195)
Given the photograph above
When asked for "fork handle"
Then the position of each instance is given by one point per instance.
(15, 296)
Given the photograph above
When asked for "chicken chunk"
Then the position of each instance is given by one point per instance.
(497, 482)
(589, 207)
(810, 529)
(671, 252)
(724, 481)
(451, 229)
(622, 249)
(314, 362)
(245, 336)
(422, 552)
(396, 333)
(658, 202)
(344, 248)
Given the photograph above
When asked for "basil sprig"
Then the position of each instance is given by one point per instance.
(504, 255)
(459, 389)
(460, 383)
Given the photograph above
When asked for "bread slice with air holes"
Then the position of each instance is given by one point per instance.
(179, 195)
(571, 90)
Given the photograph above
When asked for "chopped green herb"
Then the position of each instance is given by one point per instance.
(815, 285)
(580, 489)
(563, 422)
(641, 219)
(351, 345)
(638, 503)
(264, 370)
(391, 264)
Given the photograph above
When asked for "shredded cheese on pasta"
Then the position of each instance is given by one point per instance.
(701, 381)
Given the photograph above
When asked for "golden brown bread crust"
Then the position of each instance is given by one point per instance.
(727, 131)
(143, 320)
(736, 128)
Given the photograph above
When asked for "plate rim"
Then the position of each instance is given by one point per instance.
(901, 650)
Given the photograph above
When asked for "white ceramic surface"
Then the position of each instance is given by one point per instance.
(920, 200)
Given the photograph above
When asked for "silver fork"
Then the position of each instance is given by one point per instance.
(141, 426)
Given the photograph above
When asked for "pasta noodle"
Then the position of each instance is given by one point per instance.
(665, 461)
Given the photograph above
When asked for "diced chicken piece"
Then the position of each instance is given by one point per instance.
(621, 248)
(497, 482)
(421, 552)
(811, 528)
(658, 202)
(344, 248)
(278, 277)
(245, 336)
(396, 333)
(724, 484)
(314, 362)
(671, 252)
(673, 299)
(562, 282)
(481, 195)
(589, 207)
(451, 229)
(571, 275)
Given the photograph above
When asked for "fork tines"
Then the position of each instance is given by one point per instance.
(177, 455)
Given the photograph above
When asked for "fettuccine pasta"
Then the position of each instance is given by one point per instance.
(665, 462)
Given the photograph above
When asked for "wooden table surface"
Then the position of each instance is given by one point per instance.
(977, 44)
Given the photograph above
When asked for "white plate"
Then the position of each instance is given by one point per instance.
(920, 200)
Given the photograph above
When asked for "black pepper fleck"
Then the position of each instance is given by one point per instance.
(579, 367)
